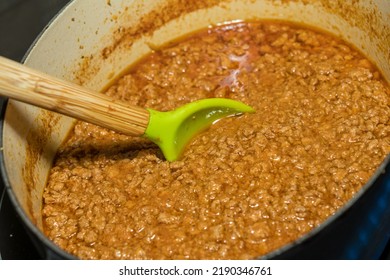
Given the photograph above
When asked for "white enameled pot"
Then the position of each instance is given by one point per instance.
(93, 42)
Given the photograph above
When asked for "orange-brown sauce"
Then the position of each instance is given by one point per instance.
(249, 184)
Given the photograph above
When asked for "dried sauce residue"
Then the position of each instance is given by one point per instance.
(36, 144)
(245, 187)
(124, 37)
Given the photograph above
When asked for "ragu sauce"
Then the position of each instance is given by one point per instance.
(249, 184)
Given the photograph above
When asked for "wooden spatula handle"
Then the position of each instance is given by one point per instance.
(30, 86)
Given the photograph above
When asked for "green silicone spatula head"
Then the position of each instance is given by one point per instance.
(172, 130)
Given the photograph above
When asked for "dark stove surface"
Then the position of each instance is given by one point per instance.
(21, 21)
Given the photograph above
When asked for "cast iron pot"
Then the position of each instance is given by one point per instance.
(93, 42)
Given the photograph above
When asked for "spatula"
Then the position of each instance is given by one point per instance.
(171, 130)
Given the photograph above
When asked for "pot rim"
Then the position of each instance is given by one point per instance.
(337, 215)
(62, 253)
(3, 172)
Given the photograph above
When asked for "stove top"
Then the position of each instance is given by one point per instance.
(21, 21)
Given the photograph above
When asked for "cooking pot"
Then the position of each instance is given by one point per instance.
(94, 42)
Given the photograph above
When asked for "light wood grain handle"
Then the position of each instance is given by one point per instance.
(30, 86)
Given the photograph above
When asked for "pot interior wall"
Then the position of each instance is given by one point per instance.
(115, 34)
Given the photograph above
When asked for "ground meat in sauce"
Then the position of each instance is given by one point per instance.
(248, 185)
